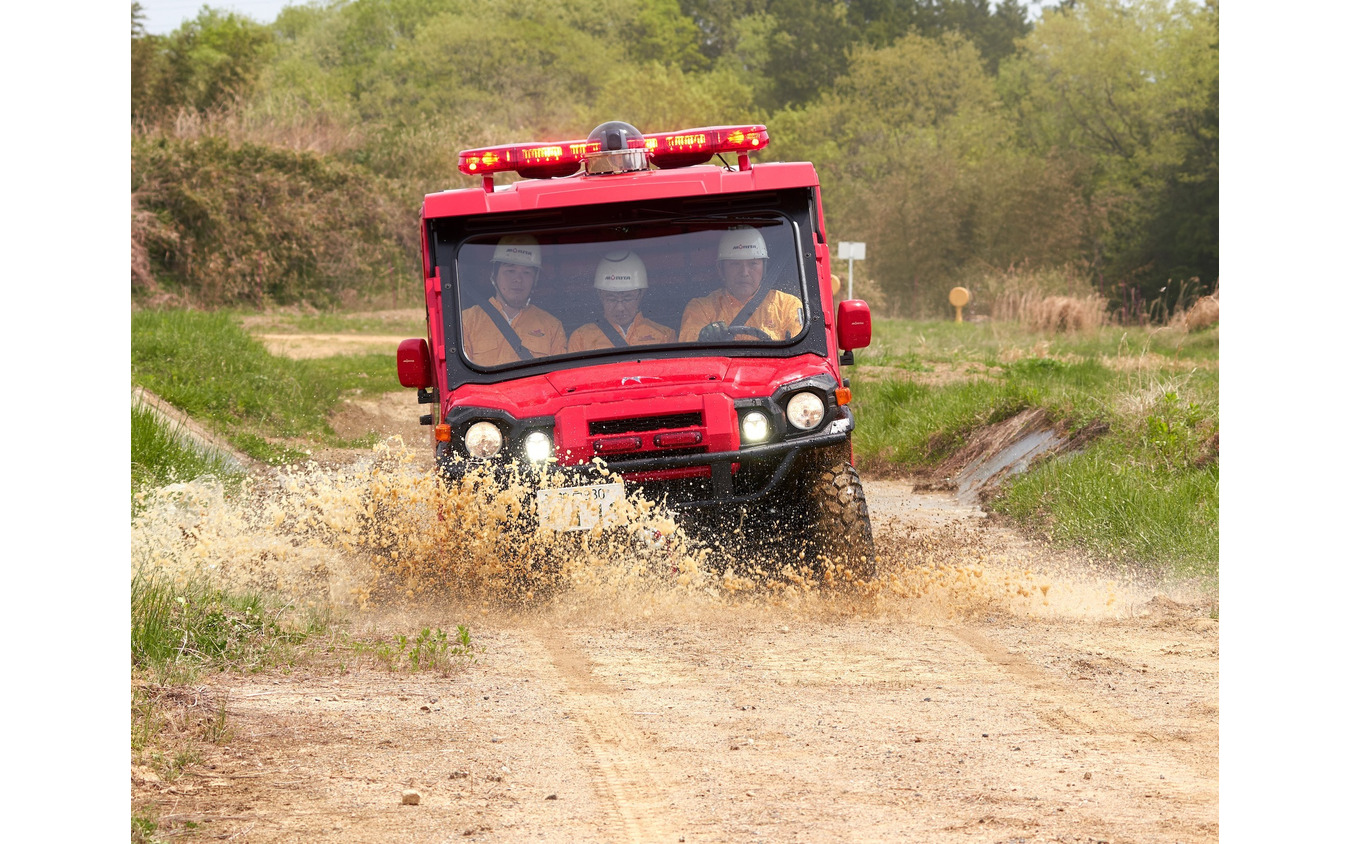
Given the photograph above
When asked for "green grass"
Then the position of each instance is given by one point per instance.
(429, 650)
(1146, 491)
(161, 455)
(1110, 504)
(270, 408)
(177, 630)
(931, 342)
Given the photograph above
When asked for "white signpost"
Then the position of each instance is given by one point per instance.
(852, 250)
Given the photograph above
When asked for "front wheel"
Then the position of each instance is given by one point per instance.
(838, 528)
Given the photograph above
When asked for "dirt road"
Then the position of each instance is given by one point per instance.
(990, 691)
(984, 690)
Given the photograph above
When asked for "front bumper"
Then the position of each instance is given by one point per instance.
(739, 477)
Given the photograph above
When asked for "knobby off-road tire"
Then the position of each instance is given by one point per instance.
(838, 527)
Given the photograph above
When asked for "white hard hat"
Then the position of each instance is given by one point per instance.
(742, 244)
(517, 249)
(620, 271)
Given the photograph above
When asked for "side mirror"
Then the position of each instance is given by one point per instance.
(855, 324)
(414, 364)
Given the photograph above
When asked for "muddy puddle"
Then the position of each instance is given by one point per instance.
(381, 535)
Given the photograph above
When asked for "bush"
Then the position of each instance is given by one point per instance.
(239, 223)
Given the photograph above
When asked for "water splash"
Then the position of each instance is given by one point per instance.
(384, 532)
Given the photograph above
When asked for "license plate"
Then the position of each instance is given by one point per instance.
(577, 507)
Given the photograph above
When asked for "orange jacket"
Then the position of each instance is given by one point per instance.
(779, 315)
(539, 332)
(643, 331)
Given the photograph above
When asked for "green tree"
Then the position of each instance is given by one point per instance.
(144, 64)
(207, 62)
(1133, 87)
(808, 49)
(918, 157)
(716, 22)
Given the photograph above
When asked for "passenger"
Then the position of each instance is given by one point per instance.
(620, 283)
(515, 268)
(741, 256)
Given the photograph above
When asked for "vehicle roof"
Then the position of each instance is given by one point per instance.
(581, 189)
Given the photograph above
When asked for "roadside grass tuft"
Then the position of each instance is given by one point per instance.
(270, 408)
(1144, 492)
(1115, 507)
(161, 454)
(177, 630)
(429, 650)
(902, 423)
(143, 830)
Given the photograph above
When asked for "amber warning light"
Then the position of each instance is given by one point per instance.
(664, 150)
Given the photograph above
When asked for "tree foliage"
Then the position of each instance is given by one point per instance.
(954, 136)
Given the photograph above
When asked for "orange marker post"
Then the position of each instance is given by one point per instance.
(959, 297)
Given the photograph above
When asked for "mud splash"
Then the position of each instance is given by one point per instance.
(385, 535)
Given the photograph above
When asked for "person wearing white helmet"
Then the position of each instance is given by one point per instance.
(518, 330)
(742, 303)
(620, 283)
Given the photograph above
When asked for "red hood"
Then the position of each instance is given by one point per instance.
(639, 380)
(661, 376)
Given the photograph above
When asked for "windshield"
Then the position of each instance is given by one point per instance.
(531, 295)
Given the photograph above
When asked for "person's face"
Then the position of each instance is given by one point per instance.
(621, 307)
(514, 284)
(741, 278)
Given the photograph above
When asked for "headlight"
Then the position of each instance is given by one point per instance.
(755, 427)
(538, 447)
(805, 410)
(483, 439)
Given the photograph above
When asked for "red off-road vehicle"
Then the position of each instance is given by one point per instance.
(603, 311)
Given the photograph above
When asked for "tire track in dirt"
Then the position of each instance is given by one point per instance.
(618, 756)
(1065, 709)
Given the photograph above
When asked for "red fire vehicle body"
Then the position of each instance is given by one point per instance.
(748, 411)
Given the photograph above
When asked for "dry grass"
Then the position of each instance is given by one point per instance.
(282, 124)
(1051, 313)
(1056, 299)
(1202, 314)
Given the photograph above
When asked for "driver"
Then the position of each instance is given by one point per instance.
(741, 256)
(620, 283)
(515, 268)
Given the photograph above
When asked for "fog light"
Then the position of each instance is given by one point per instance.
(538, 447)
(805, 410)
(483, 439)
(755, 427)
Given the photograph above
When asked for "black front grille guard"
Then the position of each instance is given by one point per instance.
(785, 452)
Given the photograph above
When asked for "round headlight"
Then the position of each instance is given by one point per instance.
(755, 427)
(805, 410)
(538, 448)
(483, 439)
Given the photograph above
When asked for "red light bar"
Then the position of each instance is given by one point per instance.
(563, 158)
(695, 146)
(533, 161)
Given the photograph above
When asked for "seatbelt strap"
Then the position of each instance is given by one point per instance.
(499, 319)
(614, 336)
(750, 307)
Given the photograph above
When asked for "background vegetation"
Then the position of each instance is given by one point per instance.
(271, 408)
(1144, 490)
(286, 162)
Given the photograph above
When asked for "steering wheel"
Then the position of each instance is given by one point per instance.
(715, 332)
